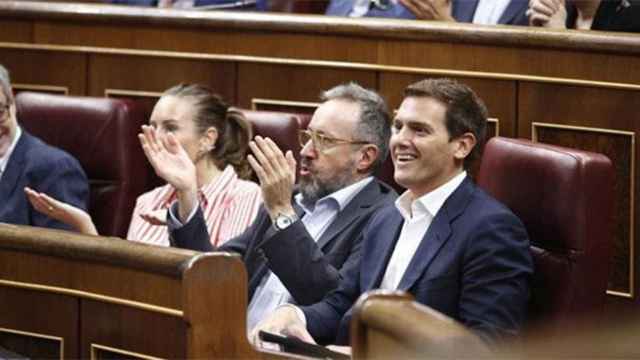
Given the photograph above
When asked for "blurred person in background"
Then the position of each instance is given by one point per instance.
(487, 12)
(606, 15)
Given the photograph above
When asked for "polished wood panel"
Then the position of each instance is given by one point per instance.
(28, 312)
(499, 96)
(47, 89)
(225, 41)
(589, 106)
(295, 83)
(132, 330)
(28, 268)
(297, 107)
(61, 69)
(15, 30)
(119, 295)
(503, 60)
(156, 74)
(390, 325)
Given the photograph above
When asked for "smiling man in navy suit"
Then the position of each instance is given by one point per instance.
(26, 161)
(445, 241)
(488, 12)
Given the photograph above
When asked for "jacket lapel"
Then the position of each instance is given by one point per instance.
(363, 200)
(438, 234)
(463, 10)
(513, 9)
(14, 168)
(378, 258)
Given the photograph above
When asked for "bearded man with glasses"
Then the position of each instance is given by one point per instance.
(298, 243)
(26, 161)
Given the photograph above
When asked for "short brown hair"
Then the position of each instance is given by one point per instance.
(234, 130)
(465, 112)
(373, 125)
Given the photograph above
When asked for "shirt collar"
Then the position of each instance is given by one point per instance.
(5, 159)
(429, 203)
(342, 197)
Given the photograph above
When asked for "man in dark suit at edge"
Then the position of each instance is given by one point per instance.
(447, 242)
(298, 243)
(26, 161)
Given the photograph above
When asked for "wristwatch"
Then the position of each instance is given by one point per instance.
(283, 221)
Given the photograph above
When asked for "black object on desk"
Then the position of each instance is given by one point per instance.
(294, 345)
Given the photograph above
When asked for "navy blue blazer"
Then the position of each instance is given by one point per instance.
(462, 11)
(473, 265)
(43, 168)
(308, 269)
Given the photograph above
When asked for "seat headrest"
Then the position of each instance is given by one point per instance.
(548, 187)
(100, 132)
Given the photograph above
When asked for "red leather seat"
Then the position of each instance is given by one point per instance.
(102, 134)
(565, 199)
(279, 126)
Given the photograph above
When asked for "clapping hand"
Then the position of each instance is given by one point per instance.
(547, 13)
(172, 163)
(63, 212)
(277, 175)
(430, 9)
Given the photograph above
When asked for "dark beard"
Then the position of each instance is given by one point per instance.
(314, 189)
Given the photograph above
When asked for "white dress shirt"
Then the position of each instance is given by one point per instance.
(317, 217)
(417, 215)
(488, 12)
(5, 159)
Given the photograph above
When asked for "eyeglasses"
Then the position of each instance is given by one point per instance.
(4, 110)
(323, 142)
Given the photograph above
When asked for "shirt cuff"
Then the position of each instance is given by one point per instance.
(298, 311)
(172, 220)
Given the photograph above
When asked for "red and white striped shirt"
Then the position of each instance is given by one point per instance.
(229, 205)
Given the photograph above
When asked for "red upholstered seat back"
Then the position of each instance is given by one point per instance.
(565, 199)
(102, 134)
(281, 127)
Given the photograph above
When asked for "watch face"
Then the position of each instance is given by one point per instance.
(282, 221)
